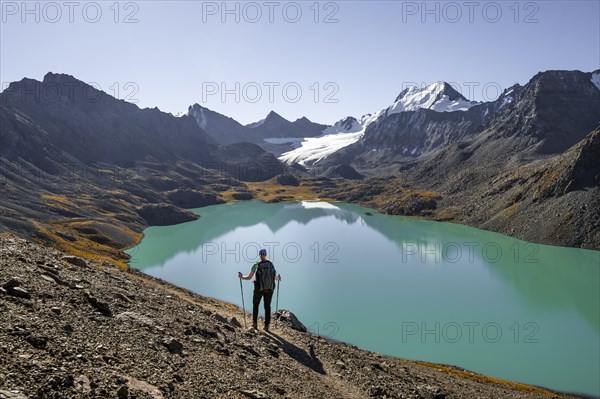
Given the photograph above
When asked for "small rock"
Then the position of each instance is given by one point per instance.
(11, 395)
(48, 279)
(234, 322)
(273, 352)
(74, 260)
(219, 318)
(123, 392)
(254, 394)
(38, 342)
(123, 297)
(377, 365)
(178, 378)
(19, 292)
(82, 383)
(229, 328)
(206, 332)
(120, 380)
(340, 364)
(175, 347)
(12, 283)
(55, 278)
(55, 310)
(102, 307)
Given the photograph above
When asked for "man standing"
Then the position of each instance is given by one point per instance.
(264, 285)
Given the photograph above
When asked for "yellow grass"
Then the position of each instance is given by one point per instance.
(486, 379)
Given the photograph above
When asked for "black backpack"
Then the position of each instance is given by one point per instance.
(265, 276)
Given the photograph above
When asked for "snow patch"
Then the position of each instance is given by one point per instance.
(314, 149)
(596, 79)
(203, 121)
(506, 100)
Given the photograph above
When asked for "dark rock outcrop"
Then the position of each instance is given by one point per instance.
(287, 179)
(187, 198)
(165, 214)
(343, 171)
(274, 125)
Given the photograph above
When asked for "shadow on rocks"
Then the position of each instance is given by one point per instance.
(309, 360)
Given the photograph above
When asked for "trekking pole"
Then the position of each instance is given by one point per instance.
(277, 302)
(243, 306)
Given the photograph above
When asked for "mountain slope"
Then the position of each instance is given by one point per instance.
(275, 126)
(87, 172)
(400, 134)
(221, 128)
(64, 118)
(555, 110)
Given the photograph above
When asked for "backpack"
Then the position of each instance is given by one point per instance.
(265, 276)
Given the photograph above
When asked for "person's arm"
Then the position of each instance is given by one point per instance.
(248, 277)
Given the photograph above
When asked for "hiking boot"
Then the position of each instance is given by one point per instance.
(266, 327)
(254, 326)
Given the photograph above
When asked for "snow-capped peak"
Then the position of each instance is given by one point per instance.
(346, 125)
(438, 96)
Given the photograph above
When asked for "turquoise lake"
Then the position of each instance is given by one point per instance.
(438, 292)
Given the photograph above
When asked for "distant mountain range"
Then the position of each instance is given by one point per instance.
(226, 130)
(545, 133)
(69, 150)
(424, 120)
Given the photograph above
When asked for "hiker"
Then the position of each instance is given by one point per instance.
(264, 285)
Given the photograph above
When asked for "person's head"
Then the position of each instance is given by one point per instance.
(263, 254)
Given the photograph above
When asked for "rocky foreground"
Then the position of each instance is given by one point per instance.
(75, 328)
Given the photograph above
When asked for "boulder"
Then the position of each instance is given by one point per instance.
(288, 317)
(74, 260)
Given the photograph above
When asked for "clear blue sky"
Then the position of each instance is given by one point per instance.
(181, 51)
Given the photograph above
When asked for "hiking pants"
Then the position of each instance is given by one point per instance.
(256, 301)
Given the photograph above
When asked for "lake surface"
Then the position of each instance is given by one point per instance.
(416, 289)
